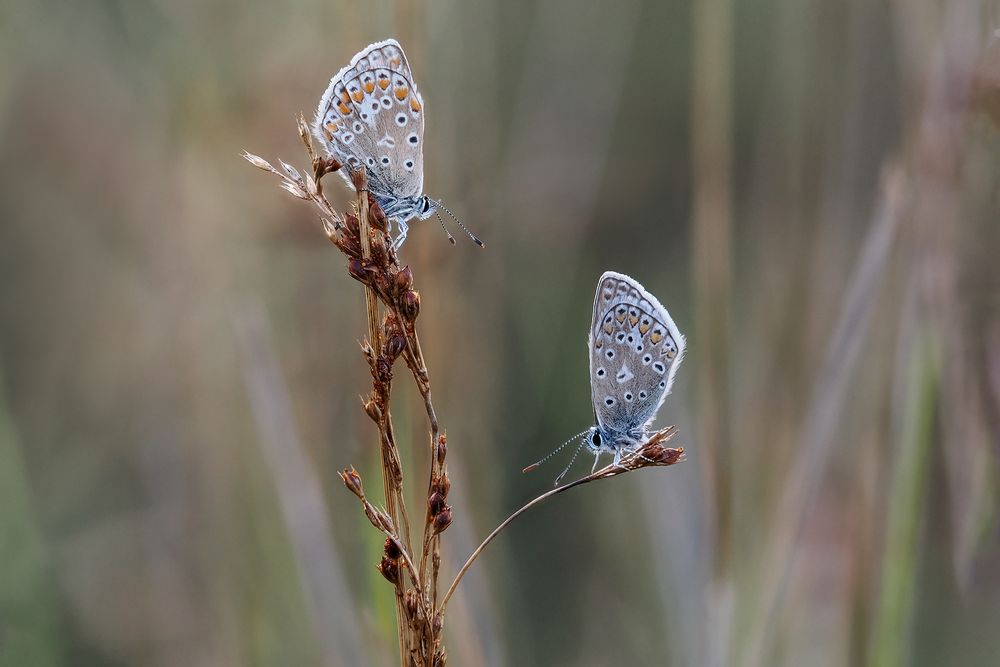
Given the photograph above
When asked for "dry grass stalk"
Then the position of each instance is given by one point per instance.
(364, 238)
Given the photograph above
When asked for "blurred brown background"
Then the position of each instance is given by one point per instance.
(812, 188)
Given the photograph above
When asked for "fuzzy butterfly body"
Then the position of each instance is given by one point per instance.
(635, 349)
(372, 116)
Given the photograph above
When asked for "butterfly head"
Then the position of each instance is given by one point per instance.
(601, 439)
(425, 207)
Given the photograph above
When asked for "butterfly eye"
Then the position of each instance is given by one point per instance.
(596, 439)
(427, 206)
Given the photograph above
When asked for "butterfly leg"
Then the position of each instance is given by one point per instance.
(401, 231)
(597, 457)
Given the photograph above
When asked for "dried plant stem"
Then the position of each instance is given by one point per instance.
(652, 453)
(393, 499)
(364, 239)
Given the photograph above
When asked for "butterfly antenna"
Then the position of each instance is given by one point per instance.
(570, 464)
(460, 224)
(553, 452)
(441, 220)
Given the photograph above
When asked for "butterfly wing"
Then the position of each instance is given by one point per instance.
(371, 115)
(635, 349)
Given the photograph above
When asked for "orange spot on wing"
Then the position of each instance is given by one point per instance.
(345, 97)
(633, 320)
(369, 86)
(357, 96)
(383, 83)
(344, 109)
(608, 328)
(655, 338)
(326, 132)
(414, 104)
(396, 62)
(643, 328)
(401, 93)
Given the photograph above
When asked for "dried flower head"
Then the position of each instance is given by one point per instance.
(442, 519)
(409, 305)
(389, 568)
(392, 549)
(352, 480)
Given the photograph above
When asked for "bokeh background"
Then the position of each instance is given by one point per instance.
(811, 187)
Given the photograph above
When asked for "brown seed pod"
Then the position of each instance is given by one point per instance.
(352, 480)
(409, 305)
(403, 279)
(373, 410)
(357, 270)
(442, 520)
(442, 448)
(376, 217)
(394, 347)
(410, 603)
(353, 226)
(389, 569)
(443, 484)
(392, 549)
(435, 503)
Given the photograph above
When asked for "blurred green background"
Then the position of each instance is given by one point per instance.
(812, 188)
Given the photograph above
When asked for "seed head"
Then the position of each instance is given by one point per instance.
(442, 448)
(392, 549)
(436, 504)
(389, 569)
(352, 480)
(409, 305)
(442, 519)
(357, 270)
(403, 279)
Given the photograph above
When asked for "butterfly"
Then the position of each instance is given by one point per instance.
(635, 349)
(372, 117)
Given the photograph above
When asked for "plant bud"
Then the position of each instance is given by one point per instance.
(383, 370)
(352, 480)
(442, 520)
(443, 484)
(392, 549)
(409, 305)
(376, 217)
(404, 279)
(380, 251)
(323, 166)
(389, 569)
(410, 602)
(435, 503)
(353, 226)
(442, 448)
(357, 270)
(394, 347)
(373, 410)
